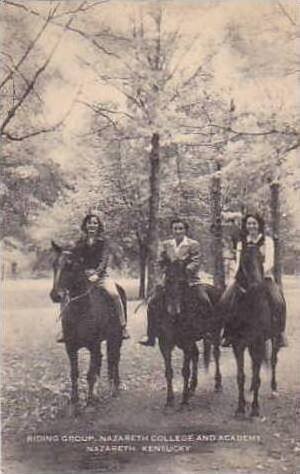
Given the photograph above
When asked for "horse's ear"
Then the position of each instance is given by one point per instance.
(56, 247)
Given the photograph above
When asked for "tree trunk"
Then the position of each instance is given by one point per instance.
(153, 211)
(275, 214)
(217, 232)
(143, 266)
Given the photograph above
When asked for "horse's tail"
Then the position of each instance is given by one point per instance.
(206, 353)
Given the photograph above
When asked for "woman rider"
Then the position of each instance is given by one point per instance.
(92, 251)
(253, 232)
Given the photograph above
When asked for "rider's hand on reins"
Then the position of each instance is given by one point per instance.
(93, 278)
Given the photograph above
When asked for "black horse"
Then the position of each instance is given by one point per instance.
(252, 325)
(88, 317)
(180, 323)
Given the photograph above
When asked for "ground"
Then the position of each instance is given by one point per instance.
(41, 436)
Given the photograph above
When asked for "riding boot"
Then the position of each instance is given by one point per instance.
(60, 338)
(149, 340)
(121, 315)
(278, 309)
(207, 314)
(282, 340)
(125, 334)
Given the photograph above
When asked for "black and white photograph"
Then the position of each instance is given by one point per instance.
(150, 236)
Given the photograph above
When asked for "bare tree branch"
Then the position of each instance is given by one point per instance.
(286, 13)
(82, 8)
(240, 132)
(43, 130)
(26, 53)
(73, 29)
(12, 111)
(14, 70)
(99, 109)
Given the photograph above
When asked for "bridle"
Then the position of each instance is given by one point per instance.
(71, 300)
(67, 299)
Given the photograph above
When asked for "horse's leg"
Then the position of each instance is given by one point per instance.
(256, 353)
(166, 351)
(73, 357)
(275, 349)
(116, 368)
(239, 350)
(113, 359)
(186, 372)
(218, 375)
(194, 378)
(94, 370)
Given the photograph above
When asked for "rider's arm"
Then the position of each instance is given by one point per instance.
(194, 258)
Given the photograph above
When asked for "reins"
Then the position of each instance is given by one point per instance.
(71, 300)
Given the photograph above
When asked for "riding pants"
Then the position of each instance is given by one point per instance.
(277, 303)
(108, 284)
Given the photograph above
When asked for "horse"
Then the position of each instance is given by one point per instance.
(88, 318)
(180, 324)
(252, 326)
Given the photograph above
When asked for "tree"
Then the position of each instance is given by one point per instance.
(157, 101)
(30, 180)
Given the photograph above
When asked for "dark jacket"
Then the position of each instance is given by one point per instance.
(93, 257)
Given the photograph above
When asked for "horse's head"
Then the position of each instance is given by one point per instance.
(175, 285)
(251, 268)
(65, 267)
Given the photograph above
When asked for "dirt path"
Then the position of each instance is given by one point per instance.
(40, 436)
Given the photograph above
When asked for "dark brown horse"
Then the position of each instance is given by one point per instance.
(180, 323)
(252, 325)
(88, 317)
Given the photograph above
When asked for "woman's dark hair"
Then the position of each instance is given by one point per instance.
(258, 218)
(87, 218)
(178, 220)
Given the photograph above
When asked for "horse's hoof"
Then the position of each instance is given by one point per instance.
(170, 403)
(218, 389)
(168, 410)
(92, 401)
(274, 394)
(122, 387)
(75, 410)
(254, 412)
(240, 415)
(115, 393)
(184, 406)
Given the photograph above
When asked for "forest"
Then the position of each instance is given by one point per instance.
(155, 113)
